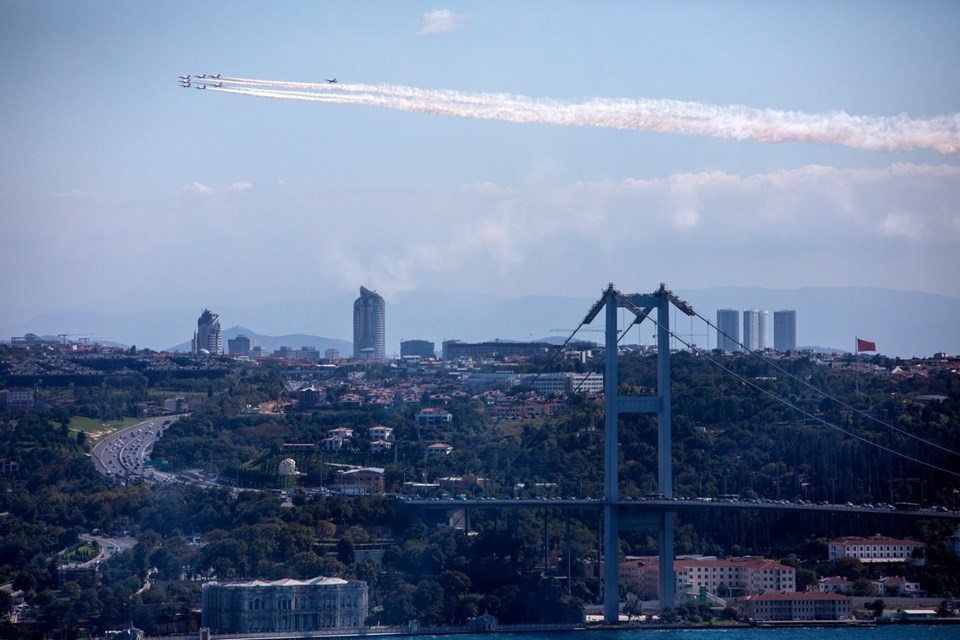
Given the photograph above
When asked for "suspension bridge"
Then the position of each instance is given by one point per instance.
(656, 514)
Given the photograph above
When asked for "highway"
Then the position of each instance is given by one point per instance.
(678, 505)
(123, 454)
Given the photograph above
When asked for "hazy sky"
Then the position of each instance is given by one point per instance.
(121, 191)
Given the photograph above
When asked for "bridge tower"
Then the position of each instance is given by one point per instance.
(616, 518)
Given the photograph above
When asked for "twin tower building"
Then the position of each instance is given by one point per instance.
(756, 330)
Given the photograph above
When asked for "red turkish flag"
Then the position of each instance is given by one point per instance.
(865, 345)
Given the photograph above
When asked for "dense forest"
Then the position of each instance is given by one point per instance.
(730, 437)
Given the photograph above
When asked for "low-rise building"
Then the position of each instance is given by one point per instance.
(18, 398)
(381, 432)
(433, 418)
(834, 584)
(365, 481)
(877, 548)
(894, 586)
(786, 605)
(381, 446)
(724, 576)
(439, 449)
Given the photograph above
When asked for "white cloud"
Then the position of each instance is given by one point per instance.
(197, 188)
(895, 227)
(242, 185)
(439, 21)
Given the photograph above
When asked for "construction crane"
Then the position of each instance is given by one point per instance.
(63, 336)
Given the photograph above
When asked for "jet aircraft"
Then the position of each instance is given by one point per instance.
(332, 80)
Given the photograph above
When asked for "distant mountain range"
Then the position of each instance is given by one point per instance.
(273, 343)
(902, 323)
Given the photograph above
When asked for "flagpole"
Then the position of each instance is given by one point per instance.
(856, 363)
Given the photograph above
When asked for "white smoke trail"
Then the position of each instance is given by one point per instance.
(873, 133)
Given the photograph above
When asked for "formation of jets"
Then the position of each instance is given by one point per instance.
(186, 81)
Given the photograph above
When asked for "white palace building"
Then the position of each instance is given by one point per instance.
(284, 605)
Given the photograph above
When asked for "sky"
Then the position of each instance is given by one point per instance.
(823, 150)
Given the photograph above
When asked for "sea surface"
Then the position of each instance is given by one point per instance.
(881, 632)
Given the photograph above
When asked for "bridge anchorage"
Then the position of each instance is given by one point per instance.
(615, 517)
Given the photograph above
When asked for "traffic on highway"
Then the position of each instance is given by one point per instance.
(123, 454)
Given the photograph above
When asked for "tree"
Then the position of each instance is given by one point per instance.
(345, 551)
(862, 587)
(398, 608)
(876, 607)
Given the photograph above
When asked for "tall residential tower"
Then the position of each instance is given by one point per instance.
(728, 329)
(785, 330)
(369, 326)
(756, 329)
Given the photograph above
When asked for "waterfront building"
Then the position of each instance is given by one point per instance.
(877, 548)
(208, 337)
(808, 605)
(240, 346)
(418, 348)
(785, 330)
(756, 329)
(369, 326)
(736, 575)
(284, 605)
(728, 329)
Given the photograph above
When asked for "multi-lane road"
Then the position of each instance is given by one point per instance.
(123, 454)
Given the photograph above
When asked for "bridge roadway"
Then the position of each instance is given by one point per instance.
(677, 505)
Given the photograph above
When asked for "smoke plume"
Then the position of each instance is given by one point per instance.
(872, 133)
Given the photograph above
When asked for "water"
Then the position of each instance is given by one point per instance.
(882, 632)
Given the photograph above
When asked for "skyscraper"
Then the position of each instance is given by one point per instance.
(207, 338)
(785, 330)
(756, 329)
(728, 329)
(369, 326)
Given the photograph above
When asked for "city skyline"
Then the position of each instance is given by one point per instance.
(119, 187)
(831, 317)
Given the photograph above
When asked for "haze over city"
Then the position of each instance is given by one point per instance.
(122, 193)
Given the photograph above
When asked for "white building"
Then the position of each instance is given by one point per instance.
(434, 417)
(381, 432)
(809, 605)
(874, 549)
(563, 383)
(284, 605)
(737, 575)
(756, 329)
(439, 449)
